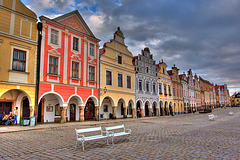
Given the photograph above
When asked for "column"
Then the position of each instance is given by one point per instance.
(142, 112)
(125, 112)
(63, 115)
(96, 113)
(162, 111)
(150, 112)
(157, 112)
(81, 113)
(114, 111)
(133, 113)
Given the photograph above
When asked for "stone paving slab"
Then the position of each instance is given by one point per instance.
(179, 137)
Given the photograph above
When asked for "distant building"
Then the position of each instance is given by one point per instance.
(177, 90)
(184, 82)
(165, 90)
(191, 91)
(206, 93)
(197, 92)
(147, 98)
(235, 99)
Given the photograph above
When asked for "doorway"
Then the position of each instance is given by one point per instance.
(25, 108)
(146, 110)
(72, 112)
(89, 109)
(5, 107)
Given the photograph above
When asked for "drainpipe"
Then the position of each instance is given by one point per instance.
(39, 28)
(99, 89)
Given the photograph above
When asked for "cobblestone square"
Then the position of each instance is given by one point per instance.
(190, 136)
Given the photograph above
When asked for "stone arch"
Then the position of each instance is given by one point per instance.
(95, 100)
(121, 105)
(166, 109)
(161, 108)
(155, 109)
(139, 102)
(106, 109)
(59, 97)
(131, 108)
(146, 108)
(75, 103)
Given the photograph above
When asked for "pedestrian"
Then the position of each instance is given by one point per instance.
(138, 112)
(194, 110)
(15, 115)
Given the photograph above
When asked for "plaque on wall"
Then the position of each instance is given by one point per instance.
(49, 108)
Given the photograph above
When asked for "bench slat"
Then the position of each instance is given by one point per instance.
(114, 127)
(88, 130)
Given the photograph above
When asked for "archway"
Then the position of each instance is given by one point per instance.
(146, 108)
(139, 105)
(106, 109)
(89, 110)
(166, 109)
(154, 108)
(50, 107)
(130, 108)
(25, 108)
(74, 105)
(171, 108)
(120, 108)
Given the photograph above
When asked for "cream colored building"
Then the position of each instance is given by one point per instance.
(117, 79)
(18, 41)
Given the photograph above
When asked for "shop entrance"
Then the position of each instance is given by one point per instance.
(5, 107)
(25, 108)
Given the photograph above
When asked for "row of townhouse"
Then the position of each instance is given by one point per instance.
(54, 70)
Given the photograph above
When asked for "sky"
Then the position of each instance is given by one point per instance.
(201, 35)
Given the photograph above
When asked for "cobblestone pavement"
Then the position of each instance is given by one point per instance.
(190, 136)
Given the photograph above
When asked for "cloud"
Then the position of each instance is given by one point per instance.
(201, 35)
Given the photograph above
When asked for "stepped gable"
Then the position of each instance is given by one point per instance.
(74, 20)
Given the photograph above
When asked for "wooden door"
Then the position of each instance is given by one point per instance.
(26, 110)
(89, 111)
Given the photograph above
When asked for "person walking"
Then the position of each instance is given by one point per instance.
(15, 115)
(138, 112)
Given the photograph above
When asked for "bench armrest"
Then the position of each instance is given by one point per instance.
(110, 133)
(82, 137)
(128, 131)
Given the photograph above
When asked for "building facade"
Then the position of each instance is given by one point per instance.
(177, 91)
(117, 79)
(184, 82)
(146, 83)
(197, 92)
(191, 91)
(18, 41)
(68, 70)
(235, 99)
(206, 93)
(165, 90)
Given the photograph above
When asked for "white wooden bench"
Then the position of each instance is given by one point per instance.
(119, 130)
(230, 113)
(212, 117)
(97, 133)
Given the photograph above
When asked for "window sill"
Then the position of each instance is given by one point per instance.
(91, 81)
(55, 75)
(21, 72)
(79, 79)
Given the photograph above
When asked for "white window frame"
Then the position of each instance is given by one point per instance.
(27, 55)
(92, 57)
(95, 80)
(79, 44)
(59, 66)
(55, 46)
(122, 79)
(79, 68)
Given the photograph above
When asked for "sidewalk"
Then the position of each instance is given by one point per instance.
(18, 128)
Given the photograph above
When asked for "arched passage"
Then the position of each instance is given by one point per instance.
(161, 109)
(166, 109)
(146, 109)
(74, 104)
(120, 108)
(130, 108)
(154, 109)
(106, 109)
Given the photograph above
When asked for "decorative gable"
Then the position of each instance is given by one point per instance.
(74, 22)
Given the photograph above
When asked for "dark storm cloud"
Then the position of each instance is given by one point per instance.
(202, 35)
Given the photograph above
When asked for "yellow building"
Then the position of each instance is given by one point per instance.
(18, 41)
(235, 99)
(165, 90)
(117, 79)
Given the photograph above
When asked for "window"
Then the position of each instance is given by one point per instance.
(91, 49)
(105, 108)
(129, 82)
(163, 71)
(173, 91)
(108, 78)
(147, 86)
(147, 69)
(75, 43)
(180, 94)
(177, 92)
(119, 59)
(140, 85)
(19, 60)
(53, 65)
(91, 73)
(57, 110)
(54, 36)
(120, 82)
(75, 69)
(122, 109)
(154, 89)
(160, 88)
(165, 90)
(169, 89)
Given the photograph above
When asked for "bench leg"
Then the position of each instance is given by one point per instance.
(107, 142)
(83, 146)
(76, 144)
(112, 141)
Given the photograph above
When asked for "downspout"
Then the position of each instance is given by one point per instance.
(99, 89)
(39, 28)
